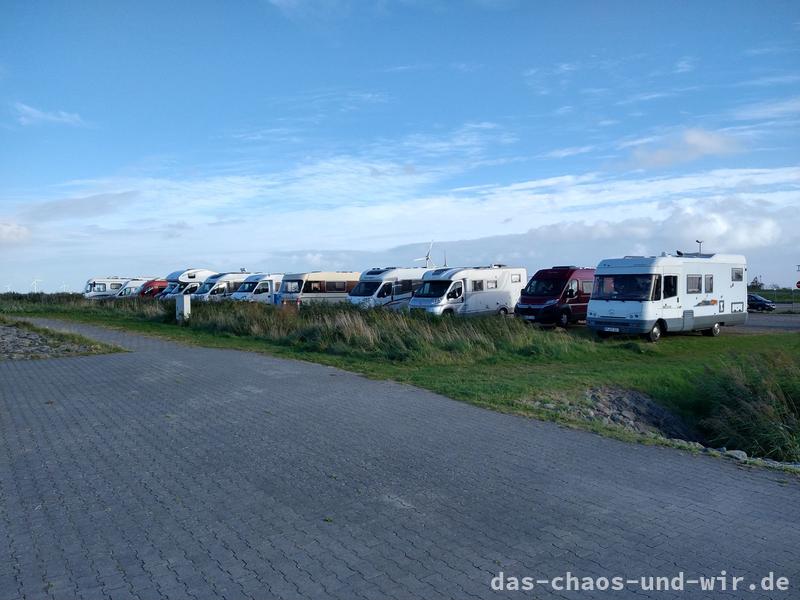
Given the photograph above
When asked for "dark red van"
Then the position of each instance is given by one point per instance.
(556, 296)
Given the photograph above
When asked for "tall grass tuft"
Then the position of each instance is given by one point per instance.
(397, 336)
(753, 404)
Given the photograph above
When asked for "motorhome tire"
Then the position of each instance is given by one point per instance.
(448, 312)
(563, 319)
(713, 332)
(655, 333)
(503, 311)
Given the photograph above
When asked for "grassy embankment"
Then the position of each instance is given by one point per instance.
(740, 391)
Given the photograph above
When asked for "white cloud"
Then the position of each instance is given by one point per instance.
(28, 115)
(13, 232)
(768, 110)
(684, 65)
(771, 80)
(565, 152)
(691, 144)
(339, 208)
(645, 97)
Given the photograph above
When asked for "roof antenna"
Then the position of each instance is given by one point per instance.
(700, 248)
(445, 257)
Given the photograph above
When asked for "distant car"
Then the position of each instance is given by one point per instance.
(759, 303)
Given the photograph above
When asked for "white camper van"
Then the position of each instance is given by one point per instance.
(470, 290)
(652, 295)
(103, 287)
(261, 287)
(131, 287)
(220, 286)
(185, 281)
(317, 286)
(391, 287)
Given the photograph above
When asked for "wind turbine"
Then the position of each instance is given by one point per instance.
(64, 287)
(35, 285)
(427, 258)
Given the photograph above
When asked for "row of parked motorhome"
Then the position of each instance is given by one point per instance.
(631, 295)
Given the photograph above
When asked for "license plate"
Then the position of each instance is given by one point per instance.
(611, 329)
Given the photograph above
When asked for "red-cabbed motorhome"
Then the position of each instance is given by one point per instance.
(558, 295)
(152, 288)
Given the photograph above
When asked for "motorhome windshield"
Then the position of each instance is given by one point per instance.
(622, 287)
(365, 288)
(247, 287)
(291, 286)
(206, 287)
(432, 289)
(172, 287)
(544, 287)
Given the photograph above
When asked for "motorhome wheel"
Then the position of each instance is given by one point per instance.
(713, 332)
(447, 312)
(563, 319)
(503, 311)
(655, 333)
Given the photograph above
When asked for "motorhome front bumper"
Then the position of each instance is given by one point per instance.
(540, 313)
(625, 326)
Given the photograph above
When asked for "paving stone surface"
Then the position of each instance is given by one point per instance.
(182, 472)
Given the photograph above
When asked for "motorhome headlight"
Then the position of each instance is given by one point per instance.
(633, 316)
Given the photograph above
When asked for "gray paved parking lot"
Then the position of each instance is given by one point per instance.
(182, 472)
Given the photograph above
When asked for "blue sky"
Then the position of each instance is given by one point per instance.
(137, 138)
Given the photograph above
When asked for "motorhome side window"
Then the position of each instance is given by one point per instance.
(709, 284)
(670, 286)
(586, 287)
(99, 287)
(457, 291)
(116, 286)
(314, 287)
(516, 278)
(336, 286)
(656, 288)
(737, 274)
(694, 284)
(403, 287)
(491, 285)
(477, 286)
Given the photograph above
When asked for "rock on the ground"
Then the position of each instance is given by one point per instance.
(737, 454)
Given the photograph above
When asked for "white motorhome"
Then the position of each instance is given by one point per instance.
(185, 281)
(220, 286)
(131, 287)
(470, 290)
(391, 287)
(317, 286)
(652, 295)
(104, 287)
(261, 287)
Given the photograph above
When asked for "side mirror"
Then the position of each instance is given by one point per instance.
(571, 293)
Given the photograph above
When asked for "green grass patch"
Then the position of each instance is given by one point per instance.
(499, 363)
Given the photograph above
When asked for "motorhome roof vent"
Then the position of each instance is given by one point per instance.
(440, 271)
(378, 271)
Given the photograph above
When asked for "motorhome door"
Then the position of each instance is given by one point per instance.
(671, 309)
